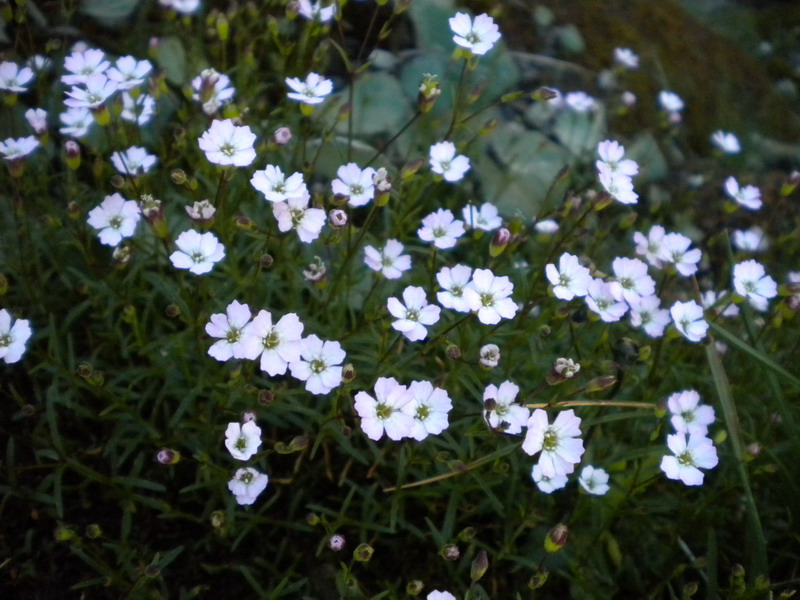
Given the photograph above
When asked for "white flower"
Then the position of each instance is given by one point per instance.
(726, 142)
(319, 365)
(311, 91)
(632, 281)
(185, 7)
(580, 102)
(490, 356)
(546, 227)
(486, 217)
(710, 298)
(229, 328)
(275, 186)
(247, 483)
(385, 411)
(670, 102)
(201, 211)
(688, 415)
(296, 214)
(13, 78)
(490, 297)
(115, 218)
(441, 228)
(97, 89)
(478, 36)
(689, 321)
(675, 250)
(647, 314)
(243, 440)
(429, 408)
(437, 595)
(500, 411)
(619, 186)
(602, 301)
(128, 72)
(212, 89)
(751, 281)
(750, 240)
(594, 480)
(13, 337)
(37, 119)
(83, 64)
(139, 110)
(612, 154)
(389, 260)
(412, 319)
(277, 344)
(355, 184)
(650, 246)
(570, 279)
(689, 457)
(560, 444)
(134, 161)
(748, 196)
(627, 58)
(197, 251)
(76, 122)
(15, 149)
(453, 281)
(547, 485)
(444, 162)
(316, 12)
(227, 144)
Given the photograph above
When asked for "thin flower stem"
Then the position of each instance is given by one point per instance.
(576, 403)
(394, 138)
(431, 343)
(457, 103)
(388, 351)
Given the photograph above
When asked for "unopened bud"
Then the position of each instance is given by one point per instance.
(85, 370)
(178, 176)
(479, 566)
(429, 92)
(168, 456)
(72, 152)
(544, 94)
(363, 553)
(244, 223)
(282, 136)
(598, 384)
(73, 210)
(265, 397)
(312, 519)
(348, 372)
(450, 552)
(411, 168)
(93, 531)
(414, 587)
(556, 538)
(499, 242)
(538, 579)
(152, 571)
(467, 534)
(63, 533)
(628, 99)
(172, 310)
(266, 261)
(337, 217)
(453, 352)
(217, 519)
(249, 416)
(336, 542)
(489, 126)
(118, 181)
(201, 211)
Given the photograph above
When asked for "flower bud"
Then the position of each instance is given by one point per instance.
(73, 210)
(201, 211)
(479, 566)
(544, 94)
(118, 181)
(467, 534)
(93, 531)
(63, 533)
(429, 92)
(453, 352)
(312, 519)
(248, 416)
(411, 168)
(499, 242)
(172, 310)
(628, 99)
(151, 208)
(556, 538)
(336, 542)
(282, 136)
(266, 261)
(348, 372)
(244, 223)
(450, 552)
(217, 519)
(414, 587)
(168, 456)
(489, 356)
(538, 579)
(383, 185)
(84, 370)
(72, 152)
(363, 553)
(27, 410)
(598, 384)
(152, 571)
(178, 176)
(265, 397)
(337, 218)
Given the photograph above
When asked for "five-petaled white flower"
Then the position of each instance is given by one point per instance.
(247, 483)
(689, 321)
(439, 595)
(278, 344)
(385, 411)
(618, 185)
(453, 281)
(13, 78)
(227, 144)
(490, 297)
(441, 228)
(478, 36)
(560, 444)
(750, 240)
(275, 186)
(355, 184)
(197, 251)
(296, 214)
(184, 7)
(501, 412)
(315, 11)
(389, 260)
(15, 149)
(95, 91)
(37, 119)
(485, 217)
(128, 72)
(444, 162)
(76, 122)
(319, 365)
(579, 101)
(632, 281)
(675, 250)
(229, 328)
(413, 317)
(13, 337)
(547, 485)
(311, 91)
(690, 456)
(751, 281)
(670, 102)
(243, 440)
(82, 65)
(649, 246)
(115, 218)
(725, 142)
(612, 154)
(570, 279)
(627, 58)
(646, 312)
(594, 480)
(688, 414)
(601, 300)
(748, 196)
(133, 161)
(429, 408)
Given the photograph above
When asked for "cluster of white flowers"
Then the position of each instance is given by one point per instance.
(277, 345)
(481, 292)
(616, 172)
(691, 449)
